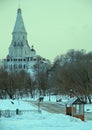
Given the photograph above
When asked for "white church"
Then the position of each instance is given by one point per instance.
(21, 56)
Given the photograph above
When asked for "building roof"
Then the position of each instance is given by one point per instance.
(19, 24)
(74, 100)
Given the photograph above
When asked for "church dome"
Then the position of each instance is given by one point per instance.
(33, 52)
(8, 57)
(32, 49)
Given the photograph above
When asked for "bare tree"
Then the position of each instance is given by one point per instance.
(41, 77)
(75, 71)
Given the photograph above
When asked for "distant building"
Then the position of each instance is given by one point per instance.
(21, 56)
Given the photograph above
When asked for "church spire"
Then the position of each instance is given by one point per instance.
(19, 46)
(19, 24)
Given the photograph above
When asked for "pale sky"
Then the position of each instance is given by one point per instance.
(53, 26)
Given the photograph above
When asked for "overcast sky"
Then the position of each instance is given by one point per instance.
(53, 26)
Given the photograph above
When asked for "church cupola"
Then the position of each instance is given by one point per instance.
(33, 52)
(19, 10)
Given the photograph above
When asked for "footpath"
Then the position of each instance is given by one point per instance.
(56, 107)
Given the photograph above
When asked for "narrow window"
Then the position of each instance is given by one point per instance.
(24, 66)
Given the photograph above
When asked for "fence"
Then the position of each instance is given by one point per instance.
(10, 113)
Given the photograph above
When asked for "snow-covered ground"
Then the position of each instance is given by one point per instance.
(39, 121)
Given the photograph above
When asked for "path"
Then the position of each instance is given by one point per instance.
(55, 107)
(50, 106)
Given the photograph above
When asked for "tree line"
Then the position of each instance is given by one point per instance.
(71, 71)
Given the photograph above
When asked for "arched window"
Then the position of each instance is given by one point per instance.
(24, 66)
(20, 66)
(14, 44)
(11, 66)
(14, 66)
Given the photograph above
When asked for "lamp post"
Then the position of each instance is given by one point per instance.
(39, 106)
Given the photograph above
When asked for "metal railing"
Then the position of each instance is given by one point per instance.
(10, 113)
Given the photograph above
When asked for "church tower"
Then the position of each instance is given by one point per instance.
(19, 47)
(21, 56)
